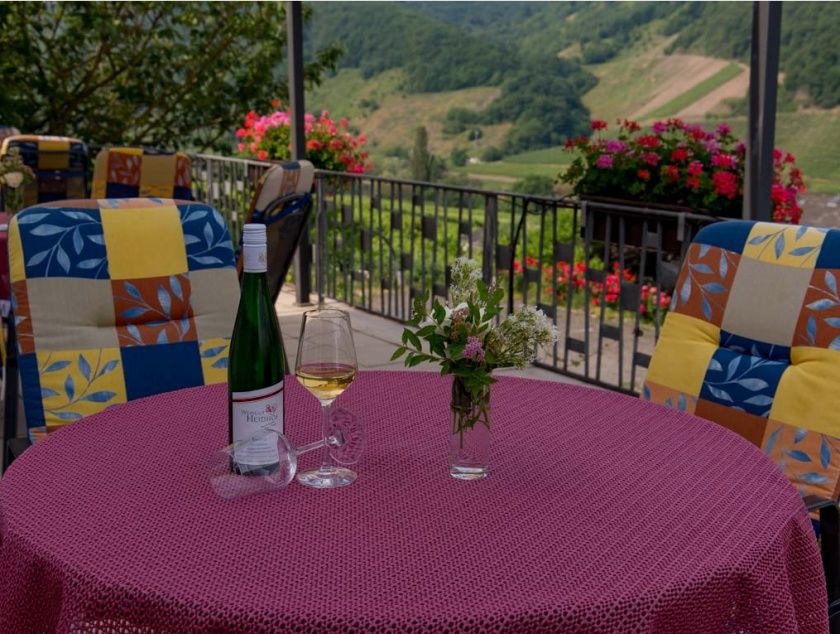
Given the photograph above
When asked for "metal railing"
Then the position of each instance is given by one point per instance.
(604, 272)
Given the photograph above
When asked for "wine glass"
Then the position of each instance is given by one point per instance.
(345, 441)
(326, 366)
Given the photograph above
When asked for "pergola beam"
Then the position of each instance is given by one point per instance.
(294, 42)
(761, 125)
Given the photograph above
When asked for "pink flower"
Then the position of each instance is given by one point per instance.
(651, 159)
(695, 168)
(614, 146)
(262, 155)
(240, 147)
(605, 161)
(723, 129)
(343, 122)
(473, 351)
(659, 127)
(241, 132)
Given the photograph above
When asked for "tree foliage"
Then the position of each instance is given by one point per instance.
(171, 74)
(378, 36)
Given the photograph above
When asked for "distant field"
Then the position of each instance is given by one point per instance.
(512, 170)
(554, 155)
(696, 92)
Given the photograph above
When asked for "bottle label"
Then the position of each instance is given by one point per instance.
(254, 258)
(252, 412)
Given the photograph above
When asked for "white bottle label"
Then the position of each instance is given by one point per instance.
(253, 412)
(254, 258)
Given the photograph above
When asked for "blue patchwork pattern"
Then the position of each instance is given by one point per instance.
(742, 381)
(206, 238)
(66, 244)
(153, 369)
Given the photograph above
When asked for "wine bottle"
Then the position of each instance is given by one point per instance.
(255, 365)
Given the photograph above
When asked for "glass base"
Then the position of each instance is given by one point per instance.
(468, 473)
(327, 477)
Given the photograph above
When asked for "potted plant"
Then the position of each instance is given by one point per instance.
(674, 166)
(14, 175)
(329, 144)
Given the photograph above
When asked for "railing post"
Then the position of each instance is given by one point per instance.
(321, 240)
(294, 36)
(764, 71)
(491, 236)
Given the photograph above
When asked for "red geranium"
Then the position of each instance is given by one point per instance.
(695, 168)
(329, 145)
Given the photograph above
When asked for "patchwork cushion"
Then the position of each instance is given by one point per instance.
(127, 172)
(118, 299)
(60, 165)
(752, 342)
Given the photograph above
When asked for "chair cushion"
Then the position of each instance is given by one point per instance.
(752, 342)
(118, 299)
(127, 172)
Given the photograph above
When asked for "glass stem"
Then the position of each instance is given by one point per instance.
(326, 461)
(317, 444)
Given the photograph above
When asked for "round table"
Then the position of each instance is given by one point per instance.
(601, 513)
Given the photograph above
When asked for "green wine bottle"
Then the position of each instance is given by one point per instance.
(255, 365)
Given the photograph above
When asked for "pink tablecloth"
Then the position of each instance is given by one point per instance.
(602, 514)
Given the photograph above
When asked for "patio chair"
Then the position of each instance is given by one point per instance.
(115, 300)
(60, 165)
(752, 342)
(282, 202)
(129, 172)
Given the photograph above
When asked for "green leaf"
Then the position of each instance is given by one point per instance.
(415, 360)
(398, 353)
(438, 311)
(414, 339)
(425, 331)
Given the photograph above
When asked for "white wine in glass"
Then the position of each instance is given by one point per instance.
(326, 381)
(326, 366)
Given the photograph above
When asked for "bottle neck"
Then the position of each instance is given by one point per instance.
(254, 258)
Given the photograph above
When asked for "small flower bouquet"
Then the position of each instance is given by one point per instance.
(13, 175)
(464, 339)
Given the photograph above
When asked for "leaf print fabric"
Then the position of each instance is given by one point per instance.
(765, 297)
(109, 307)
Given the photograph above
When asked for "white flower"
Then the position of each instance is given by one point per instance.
(13, 179)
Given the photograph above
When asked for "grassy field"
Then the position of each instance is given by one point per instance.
(696, 92)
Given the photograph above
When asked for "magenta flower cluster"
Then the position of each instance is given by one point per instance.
(473, 350)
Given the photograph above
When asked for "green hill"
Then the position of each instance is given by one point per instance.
(522, 76)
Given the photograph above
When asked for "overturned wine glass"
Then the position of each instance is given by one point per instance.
(345, 440)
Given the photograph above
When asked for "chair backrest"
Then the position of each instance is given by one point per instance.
(60, 165)
(752, 342)
(118, 299)
(129, 172)
(282, 202)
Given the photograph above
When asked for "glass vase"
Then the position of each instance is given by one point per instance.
(469, 441)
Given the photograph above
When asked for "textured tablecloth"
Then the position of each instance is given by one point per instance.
(601, 514)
